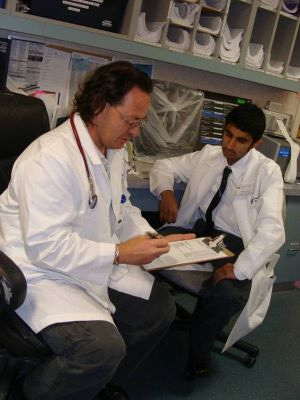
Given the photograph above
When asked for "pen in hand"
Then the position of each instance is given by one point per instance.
(154, 235)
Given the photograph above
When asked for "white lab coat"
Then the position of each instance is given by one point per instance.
(64, 248)
(258, 211)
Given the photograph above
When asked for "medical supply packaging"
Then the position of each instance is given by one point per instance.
(171, 127)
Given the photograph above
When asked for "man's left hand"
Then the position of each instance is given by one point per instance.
(224, 272)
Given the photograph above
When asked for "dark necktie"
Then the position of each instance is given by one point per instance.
(216, 200)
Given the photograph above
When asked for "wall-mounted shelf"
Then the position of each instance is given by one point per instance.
(123, 42)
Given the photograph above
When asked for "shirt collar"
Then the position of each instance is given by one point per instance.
(239, 167)
(90, 149)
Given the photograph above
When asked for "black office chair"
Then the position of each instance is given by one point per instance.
(22, 119)
(20, 348)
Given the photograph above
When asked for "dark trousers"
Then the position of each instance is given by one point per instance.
(216, 304)
(89, 354)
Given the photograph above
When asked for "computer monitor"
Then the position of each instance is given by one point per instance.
(214, 110)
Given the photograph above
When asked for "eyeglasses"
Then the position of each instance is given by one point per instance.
(131, 123)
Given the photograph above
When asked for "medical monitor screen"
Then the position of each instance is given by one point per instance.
(214, 110)
(284, 152)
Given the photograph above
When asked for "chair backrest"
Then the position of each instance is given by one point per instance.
(13, 286)
(22, 119)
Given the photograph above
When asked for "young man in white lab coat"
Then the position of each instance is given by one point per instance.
(67, 222)
(249, 213)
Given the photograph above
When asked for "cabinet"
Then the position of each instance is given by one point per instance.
(288, 267)
(273, 29)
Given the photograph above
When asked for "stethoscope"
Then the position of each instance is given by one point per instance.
(92, 195)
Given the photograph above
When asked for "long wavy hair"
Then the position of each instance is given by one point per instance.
(109, 84)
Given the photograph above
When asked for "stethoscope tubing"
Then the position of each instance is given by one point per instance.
(92, 195)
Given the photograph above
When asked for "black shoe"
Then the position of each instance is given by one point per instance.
(112, 392)
(199, 369)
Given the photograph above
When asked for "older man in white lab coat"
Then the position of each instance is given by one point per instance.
(248, 210)
(67, 222)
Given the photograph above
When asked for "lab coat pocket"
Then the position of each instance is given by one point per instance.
(249, 202)
(121, 209)
(95, 223)
(252, 208)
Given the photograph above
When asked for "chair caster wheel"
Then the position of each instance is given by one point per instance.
(249, 361)
(254, 352)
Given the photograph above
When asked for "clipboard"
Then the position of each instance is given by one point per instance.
(191, 251)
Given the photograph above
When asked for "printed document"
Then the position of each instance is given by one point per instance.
(191, 251)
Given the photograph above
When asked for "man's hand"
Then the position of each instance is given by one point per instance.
(168, 207)
(142, 249)
(224, 272)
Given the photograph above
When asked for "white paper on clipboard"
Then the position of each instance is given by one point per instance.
(188, 252)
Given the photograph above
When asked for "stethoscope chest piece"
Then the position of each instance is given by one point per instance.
(93, 201)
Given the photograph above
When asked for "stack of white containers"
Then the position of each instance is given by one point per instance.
(272, 4)
(230, 44)
(182, 14)
(148, 31)
(255, 55)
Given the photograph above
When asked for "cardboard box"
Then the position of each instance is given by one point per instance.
(101, 14)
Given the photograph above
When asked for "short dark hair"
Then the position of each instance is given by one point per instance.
(109, 84)
(248, 118)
